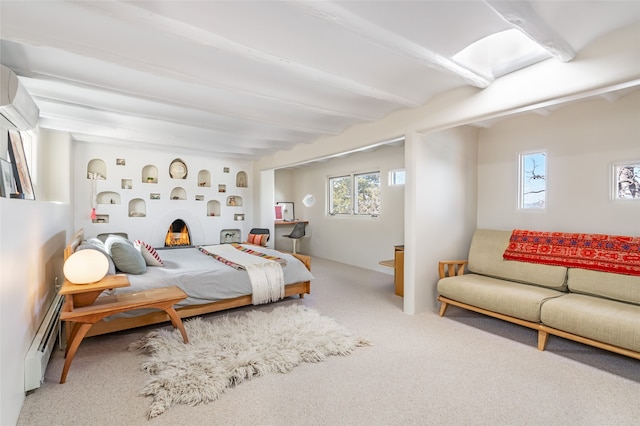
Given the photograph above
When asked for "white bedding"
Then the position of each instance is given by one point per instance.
(205, 279)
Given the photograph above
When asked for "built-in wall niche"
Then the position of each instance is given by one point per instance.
(96, 169)
(178, 193)
(137, 208)
(234, 201)
(101, 218)
(204, 178)
(149, 174)
(126, 184)
(108, 197)
(241, 180)
(213, 208)
(228, 236)
(178, 169)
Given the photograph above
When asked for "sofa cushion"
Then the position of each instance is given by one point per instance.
(485, 258)
(505, 297)
(607, 321)
(625, 288)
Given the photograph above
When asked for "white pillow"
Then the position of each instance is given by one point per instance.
(151, 256)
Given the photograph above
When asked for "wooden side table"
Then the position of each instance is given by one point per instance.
(82, 308)
(397, 263)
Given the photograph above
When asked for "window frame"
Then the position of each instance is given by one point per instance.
(353, 194)
(527, 177)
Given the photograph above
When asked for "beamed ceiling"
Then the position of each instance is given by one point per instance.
(245, 79)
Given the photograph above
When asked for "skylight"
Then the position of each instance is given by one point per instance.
(501, 53)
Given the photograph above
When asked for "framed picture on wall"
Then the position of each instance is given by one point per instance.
(20, 167)
(8, 186)
(626, 181)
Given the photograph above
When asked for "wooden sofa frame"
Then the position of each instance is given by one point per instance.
(450, 268)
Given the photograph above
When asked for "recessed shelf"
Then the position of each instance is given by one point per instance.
(126, 184)
(108, 197)
(137, 208)
(178, 193)
(178, 169)
(204, 178)
(101, 218)
(234, 201)
(228, 236)
(97, 169)
(241, 180)
(149, 174)
(213, 208)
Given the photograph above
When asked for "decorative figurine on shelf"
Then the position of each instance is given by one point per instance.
(232, 201)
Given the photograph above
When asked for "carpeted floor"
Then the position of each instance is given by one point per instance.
(464, 369)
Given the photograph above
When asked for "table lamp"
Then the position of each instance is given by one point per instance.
(85, 267)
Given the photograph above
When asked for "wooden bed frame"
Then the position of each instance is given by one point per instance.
(118, 324)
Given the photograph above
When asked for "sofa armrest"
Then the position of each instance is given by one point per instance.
(449, 268)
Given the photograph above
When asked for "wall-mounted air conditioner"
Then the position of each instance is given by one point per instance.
(17, 108)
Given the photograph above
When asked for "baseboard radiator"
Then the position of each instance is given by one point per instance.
(35, 363)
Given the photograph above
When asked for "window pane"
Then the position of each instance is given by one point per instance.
(533, 184)
(396, 177)
(368, 194)
(340, 195)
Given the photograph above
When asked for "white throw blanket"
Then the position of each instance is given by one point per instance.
(267, 279)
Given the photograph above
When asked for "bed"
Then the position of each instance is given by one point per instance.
(210, 285)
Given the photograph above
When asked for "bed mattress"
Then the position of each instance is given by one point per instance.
(205, 279)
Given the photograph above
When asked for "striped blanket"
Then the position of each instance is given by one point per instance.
(265, 272)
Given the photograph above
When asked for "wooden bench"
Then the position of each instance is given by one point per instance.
(83, 308)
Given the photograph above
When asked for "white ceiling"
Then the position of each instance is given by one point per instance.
(244, 79)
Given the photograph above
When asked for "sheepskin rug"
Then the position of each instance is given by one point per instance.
(225, 351)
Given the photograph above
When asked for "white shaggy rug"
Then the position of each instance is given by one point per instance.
(225, 351)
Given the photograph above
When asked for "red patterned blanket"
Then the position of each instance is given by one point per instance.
(607, 253)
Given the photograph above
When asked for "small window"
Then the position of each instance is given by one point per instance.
(533, 183)
(356, 194)
(396, 177)
(368, 194)
(340, 195)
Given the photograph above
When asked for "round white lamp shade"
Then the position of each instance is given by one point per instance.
(86, 266)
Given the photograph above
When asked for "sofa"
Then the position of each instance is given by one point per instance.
(593, 307)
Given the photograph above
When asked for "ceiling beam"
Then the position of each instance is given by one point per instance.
(520, 15)
(60, 89)
(140, 17)
(375, 34)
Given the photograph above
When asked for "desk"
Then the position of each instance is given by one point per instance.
(289, 222)
(82, 308)
(397, 263)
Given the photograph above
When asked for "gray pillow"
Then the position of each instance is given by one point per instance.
(103, 237)
(88, 246)
(126, 257)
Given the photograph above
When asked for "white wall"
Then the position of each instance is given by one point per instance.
(32, 239)
(582, 141)
(359, 241)
(441, 215)
(160, 213)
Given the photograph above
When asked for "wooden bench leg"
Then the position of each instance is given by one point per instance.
(542, 339)
(177, 322)
(78, 335)
(443, 308)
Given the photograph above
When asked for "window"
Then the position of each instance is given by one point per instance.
(396, 177)
(356, 194)
(533, 184)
